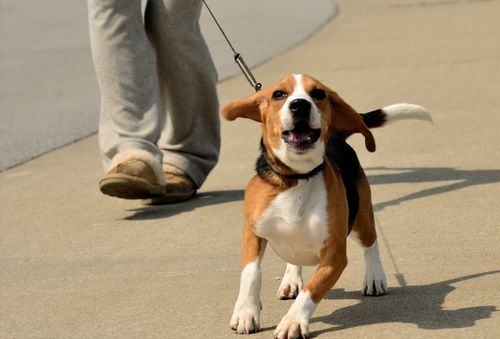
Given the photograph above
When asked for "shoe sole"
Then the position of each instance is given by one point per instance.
(127, 187)
(168, 198)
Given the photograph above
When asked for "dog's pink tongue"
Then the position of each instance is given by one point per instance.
(298, 137)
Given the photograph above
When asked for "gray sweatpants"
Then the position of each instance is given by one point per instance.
(157, 83)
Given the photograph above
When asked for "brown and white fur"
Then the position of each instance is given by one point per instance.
(309, 194)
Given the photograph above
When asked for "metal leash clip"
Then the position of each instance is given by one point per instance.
(237, 57)
(246, 72)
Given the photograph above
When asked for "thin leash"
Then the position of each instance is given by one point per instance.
(237, 56)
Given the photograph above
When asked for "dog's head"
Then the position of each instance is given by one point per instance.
(298, 114)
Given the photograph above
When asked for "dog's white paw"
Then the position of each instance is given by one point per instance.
(375, 282)
(291, 327)
(375, 285)
(291, 284)
(289, 289)
(246, 318)
(295, 324)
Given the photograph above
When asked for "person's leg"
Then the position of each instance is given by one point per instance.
(190, 139)
(130, 118)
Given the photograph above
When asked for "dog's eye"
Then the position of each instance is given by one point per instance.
(278, 95)
(317, 94)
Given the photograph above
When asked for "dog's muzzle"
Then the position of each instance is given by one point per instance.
(302, 137)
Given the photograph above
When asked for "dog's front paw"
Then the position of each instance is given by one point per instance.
(291, 327)
(246, 318)
(375, 283)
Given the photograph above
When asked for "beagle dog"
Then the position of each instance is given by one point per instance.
(309, 194)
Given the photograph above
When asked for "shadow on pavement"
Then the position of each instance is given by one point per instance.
(460, 179)
(201, 200)
(419, 305)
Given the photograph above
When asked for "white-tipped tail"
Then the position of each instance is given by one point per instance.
(406, 111)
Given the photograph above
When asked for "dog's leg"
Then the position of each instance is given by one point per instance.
(291, 284)
(246, 314)
(365, 234)
(375, 282)
(295, 323)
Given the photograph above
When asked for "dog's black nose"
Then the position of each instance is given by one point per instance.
(300, 109)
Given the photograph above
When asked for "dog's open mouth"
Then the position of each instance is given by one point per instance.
(302, 137)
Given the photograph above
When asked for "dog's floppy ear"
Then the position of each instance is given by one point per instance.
(346, 120)
(243, 108)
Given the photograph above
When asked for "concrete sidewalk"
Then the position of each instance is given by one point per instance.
(75, 263)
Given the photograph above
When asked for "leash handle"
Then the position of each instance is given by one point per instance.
(237, 56)
(246, 72)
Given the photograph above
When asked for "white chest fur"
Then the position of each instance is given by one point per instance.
(295, 223)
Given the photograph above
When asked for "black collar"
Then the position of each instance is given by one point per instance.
(307, 175)
(265, 169)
